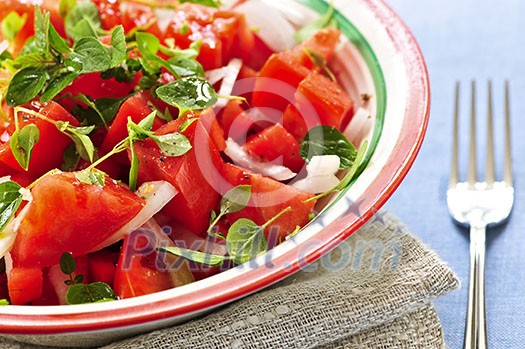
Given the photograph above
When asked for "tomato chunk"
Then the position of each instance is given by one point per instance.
(268, 199)
(273, 143)
(328, 98)
(109, 11)
(142, 270)
(278, 81)
(69, 216)
(102, 266)
(48, 152)
(324, 43)
(190, 174)
(25, 285)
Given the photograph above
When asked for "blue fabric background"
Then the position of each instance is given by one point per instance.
(465, 40)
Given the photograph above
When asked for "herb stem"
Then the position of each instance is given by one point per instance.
(120, 147)
(276, 217)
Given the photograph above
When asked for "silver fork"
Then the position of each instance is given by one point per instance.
(478, 204)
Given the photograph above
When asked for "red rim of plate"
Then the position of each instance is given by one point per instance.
(184, 304)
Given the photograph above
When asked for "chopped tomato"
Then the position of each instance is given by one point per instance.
(223, 33)
(142, 270)
(48, 152)
(69, 216)
(295, 123)
(273, 143)
(95, 87)
(4, 292)
(25, 285)
(109, 11)
(190, 174)
(259, 55)
(136, 108)
(57, 277)
(139, 16)
(268, 199)
(235, 122)
(278, 81)
(49, 295)
(323, 43)
(330, 101)
(102, 266)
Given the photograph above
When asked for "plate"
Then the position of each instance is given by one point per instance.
(381, 60)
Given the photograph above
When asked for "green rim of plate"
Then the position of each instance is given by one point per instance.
(370, 58)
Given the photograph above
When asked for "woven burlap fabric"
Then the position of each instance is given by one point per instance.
(374, 291)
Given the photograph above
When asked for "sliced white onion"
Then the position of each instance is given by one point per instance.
(4, 45)
(215, 75)
(228, 82)
(243, 159)
(272, 26)
(359, 127)
(164, 17)
(5, 179)
(292, 10)
(321, 174)
(157, 195)
(8, 236)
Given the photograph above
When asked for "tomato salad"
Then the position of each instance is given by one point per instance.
(145, 145)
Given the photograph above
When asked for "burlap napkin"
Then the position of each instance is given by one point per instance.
(374, 291)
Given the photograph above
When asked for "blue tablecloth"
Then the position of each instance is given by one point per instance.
(465, 40)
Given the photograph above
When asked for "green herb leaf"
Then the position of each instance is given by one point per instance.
(188, 94)
(118, 49)
(4, 302)
(67, 263)
(210, 3)
(71, 159)
(42, 22)
(236, 199)
(79, 135)
(245, 241)
(57, 42)
(56, 85)
(105, 108)
(184, 126)
(10, 200)
(353, 170)
(191, 52)
(77, 17)
(325, 21)
(327, 140)
(148, 121)
(196, 256)
(91, 55)
(12, 24)
(91, 176)
(184, 67)
(173, 144)
(91, 293)
(134, 169)
(25, 85)
(22, 143)
(148, 45)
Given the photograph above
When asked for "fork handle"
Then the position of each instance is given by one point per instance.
(476, 326)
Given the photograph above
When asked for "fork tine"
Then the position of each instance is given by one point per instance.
(507, 175)
(454, 172)
(472, 166)
(490, 175)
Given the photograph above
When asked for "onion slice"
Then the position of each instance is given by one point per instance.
(321, 175)
(4, 45)
(8, 236)
(243, 159)
(157, 195)
(359, 127)
(273, 28)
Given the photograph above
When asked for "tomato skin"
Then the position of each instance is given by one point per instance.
(295, 123)
(191, 176)
(94, 86)
(275, 142)
(328, 98)
(25, 285)
(98, 213)
(324, 42)
(4, 292)
(135, 107)
(269, 198)
(48, 152)
(139, 16)
(102, 266)
(235, 122)
(277, 82)
(142, 270)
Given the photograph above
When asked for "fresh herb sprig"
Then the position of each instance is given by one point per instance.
(233, 201)
(47, 64)
(245, 241)
(327, 140)
(325, 21)
(79, 292)
(10, 200)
